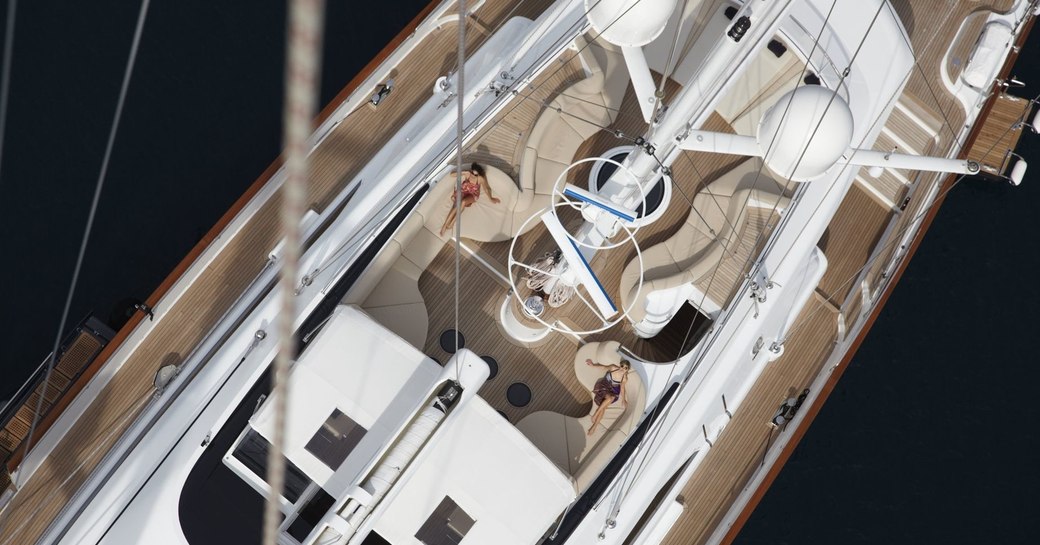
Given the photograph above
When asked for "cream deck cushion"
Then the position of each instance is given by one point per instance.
(389, 289)
(572, 117)
(564, 440)
(723, 215)
(484, 221)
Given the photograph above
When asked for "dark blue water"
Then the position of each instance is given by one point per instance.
(202, 120)
(929, 436)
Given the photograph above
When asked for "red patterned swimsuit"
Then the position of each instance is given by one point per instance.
(470, 188)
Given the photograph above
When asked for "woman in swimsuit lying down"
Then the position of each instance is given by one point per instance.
(473, 180)
(609, 389)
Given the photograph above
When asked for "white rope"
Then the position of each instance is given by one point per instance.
(301, 75)
(460, 90)
(90, 223)
(5, 82)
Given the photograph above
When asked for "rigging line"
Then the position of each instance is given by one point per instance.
(689, 330)
(303, 68)
(138, 30)
(704, 185)
(605, 128)
(518, 92)
(342, 248)
(897, 235)
(591, 103)
(841, 173)
(704, 16)
(532, 88)
(752, 268)
(772, 141)
(847, 164)
(787, 109)
(671, 51)
(460, 130)
(686, 197)
(652, 435)
(5, 76)
(131, 411)
(751, 254)
(545, 29)
(632, 469)
(666, 73)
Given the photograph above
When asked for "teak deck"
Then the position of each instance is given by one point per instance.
(1000, 133)
(726, 467)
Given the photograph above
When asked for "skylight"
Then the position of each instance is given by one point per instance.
(335, 439)
(447, 525)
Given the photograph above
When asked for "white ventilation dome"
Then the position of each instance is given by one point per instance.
(629, 23)
(793, 155)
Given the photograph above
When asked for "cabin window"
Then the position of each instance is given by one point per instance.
(447, 525)
(252, 451)
(335, 439)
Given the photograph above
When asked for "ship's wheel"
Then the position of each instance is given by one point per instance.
(565, 271)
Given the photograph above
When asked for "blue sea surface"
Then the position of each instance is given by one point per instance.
(929, 437)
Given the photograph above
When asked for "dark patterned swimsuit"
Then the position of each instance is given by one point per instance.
(606, 386)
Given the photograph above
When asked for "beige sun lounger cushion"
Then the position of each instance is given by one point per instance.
(713, 245)
(572, 117)
(484, 221)
(389, 290)
(564, 440)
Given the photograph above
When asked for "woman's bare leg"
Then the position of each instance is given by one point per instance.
(449, 221)
(599, 413)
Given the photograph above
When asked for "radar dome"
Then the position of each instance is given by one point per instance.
(812, 128)
(629, 23)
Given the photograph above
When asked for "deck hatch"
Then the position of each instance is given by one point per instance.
(335, 439)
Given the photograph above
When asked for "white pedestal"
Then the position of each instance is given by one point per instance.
(518, 327)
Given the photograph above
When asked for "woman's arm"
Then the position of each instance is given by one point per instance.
(487, 188)
(624, 395)
(594, 364)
